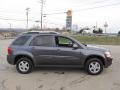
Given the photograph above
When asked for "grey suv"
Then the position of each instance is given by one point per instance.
(31, 50)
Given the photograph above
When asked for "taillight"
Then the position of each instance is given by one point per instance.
(9, 50)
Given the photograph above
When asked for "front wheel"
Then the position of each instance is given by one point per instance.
(24, 65)
(94, 66)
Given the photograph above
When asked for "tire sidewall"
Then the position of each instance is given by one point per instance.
(29, 62)
(94, 60)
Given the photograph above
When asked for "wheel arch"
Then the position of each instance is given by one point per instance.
(21, 55)
(95, 56)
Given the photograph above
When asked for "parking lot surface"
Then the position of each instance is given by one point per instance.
(59, 78)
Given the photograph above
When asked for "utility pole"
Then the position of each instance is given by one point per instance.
(27, 12)
(10, 25)
(96, 25)
(42, 2)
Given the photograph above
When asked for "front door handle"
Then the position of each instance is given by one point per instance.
(33, 47)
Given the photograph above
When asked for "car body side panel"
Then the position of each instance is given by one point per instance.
(68, 56)
(22, 50)
(43, 55)
(85, 53)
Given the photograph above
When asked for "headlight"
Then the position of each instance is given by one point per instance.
(108, 54)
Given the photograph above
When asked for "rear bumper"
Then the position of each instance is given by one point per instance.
(108, 62)
(10, 59)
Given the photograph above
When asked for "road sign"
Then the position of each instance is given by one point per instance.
(105, 25)
(69, 20)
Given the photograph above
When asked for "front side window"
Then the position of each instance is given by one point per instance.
(63, 42)
(43, 41)
(21, 40)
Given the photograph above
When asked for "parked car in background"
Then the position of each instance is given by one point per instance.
(51, 49)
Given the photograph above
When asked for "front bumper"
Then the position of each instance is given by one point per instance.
(108, 62)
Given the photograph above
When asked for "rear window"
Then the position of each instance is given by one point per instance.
(21, 40)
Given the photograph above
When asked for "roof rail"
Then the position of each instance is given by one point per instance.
(41, 32)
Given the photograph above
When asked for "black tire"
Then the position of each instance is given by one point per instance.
(29, 64)
(92, 61)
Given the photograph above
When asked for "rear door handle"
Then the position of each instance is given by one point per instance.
(58, 50)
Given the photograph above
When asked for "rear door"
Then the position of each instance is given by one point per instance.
(42, 47)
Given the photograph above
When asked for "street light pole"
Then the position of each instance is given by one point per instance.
(45, 24)
(105, 25)
(27, 10)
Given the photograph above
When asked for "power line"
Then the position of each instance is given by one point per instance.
(3, 10)
(87, 8)
(7, 19)
(96, 2)
(62, 10)
(65, 12)
(97, 7)
(54, 23)
(55, 13)
(50, 23)
(11, 19)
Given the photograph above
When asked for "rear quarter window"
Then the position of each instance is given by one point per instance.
(21, 40)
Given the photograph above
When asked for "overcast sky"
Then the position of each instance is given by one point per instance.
(15, 9)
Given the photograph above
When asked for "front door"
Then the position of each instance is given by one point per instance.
(67, 55)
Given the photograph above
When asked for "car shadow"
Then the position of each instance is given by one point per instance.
(58, 70)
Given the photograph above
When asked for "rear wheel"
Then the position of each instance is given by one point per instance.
(94, 66)
(24, 65)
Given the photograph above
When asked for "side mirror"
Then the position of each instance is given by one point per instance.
(75, 46)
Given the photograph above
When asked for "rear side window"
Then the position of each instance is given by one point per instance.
(21, 40)
(43, 41)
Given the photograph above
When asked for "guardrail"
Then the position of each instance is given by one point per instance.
(3, 38)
